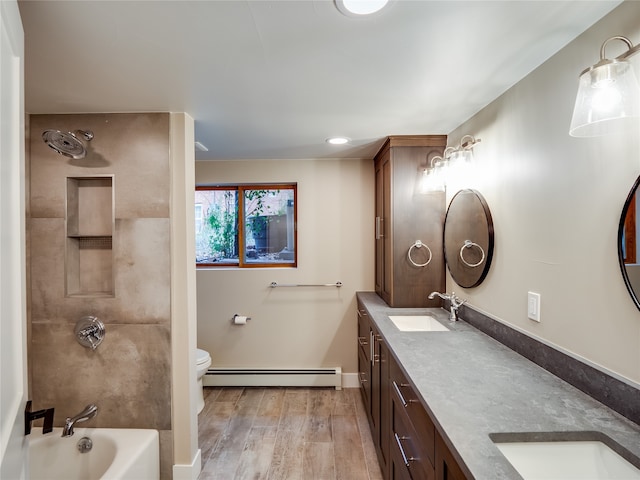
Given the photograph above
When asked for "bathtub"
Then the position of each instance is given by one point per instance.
(117, 454)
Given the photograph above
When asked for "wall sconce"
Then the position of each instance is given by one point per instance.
(608, 97)
(464, 152)
(434, 179)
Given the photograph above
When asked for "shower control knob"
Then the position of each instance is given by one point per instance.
(89, 332)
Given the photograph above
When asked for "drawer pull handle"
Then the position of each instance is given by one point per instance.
(362, 341)
(363, 377)
(399, 393)
(405, 403)
(407, 460)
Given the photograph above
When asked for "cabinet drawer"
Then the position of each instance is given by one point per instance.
(364, 378)
(405, 397)
(407, 447)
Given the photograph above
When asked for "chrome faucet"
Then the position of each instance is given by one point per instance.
(454, 303)
(88, 413)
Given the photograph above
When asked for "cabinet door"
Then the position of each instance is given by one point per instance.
(387, 239)
(379, 229)
(381, 374)
(446, 466)
(364, 358)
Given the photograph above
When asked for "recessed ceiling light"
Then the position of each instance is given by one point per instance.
(338, 140)
(355, 8)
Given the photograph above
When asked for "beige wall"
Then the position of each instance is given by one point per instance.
(301, 327)
(129, 375)
(556, 203)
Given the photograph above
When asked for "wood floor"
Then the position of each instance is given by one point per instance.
(285, 434)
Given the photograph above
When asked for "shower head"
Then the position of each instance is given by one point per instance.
(69, 144)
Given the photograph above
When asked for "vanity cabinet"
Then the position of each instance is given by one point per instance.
(407, 443)
(404, 215)
(412, 431)
(373, 367)
(446, 466)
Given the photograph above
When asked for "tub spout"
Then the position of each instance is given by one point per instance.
(88, 413)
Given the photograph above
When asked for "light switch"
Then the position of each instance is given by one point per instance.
(533, 306)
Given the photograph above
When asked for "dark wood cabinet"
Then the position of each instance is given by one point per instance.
(373, 367)
(407, 443)
(446, 466)
(405, 215)
(412, 431)
(364, 358)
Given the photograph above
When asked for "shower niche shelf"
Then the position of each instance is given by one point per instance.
(90, 223)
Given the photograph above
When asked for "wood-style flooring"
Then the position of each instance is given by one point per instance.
(285, 434)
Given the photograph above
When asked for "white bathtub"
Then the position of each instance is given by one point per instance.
(117, 454)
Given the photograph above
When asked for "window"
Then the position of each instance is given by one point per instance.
(246, 225)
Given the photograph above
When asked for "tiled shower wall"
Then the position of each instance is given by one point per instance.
(129, 375)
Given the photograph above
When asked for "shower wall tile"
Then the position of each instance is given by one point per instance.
(134, 147)
(127, 376)
(143, 269)
(47, 240)
(142, 274)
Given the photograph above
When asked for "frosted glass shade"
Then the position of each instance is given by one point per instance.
(608, 100)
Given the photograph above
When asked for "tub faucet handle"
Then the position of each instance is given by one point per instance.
(30, 416)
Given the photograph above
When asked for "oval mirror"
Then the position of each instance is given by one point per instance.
(628, 246)
(468, 238)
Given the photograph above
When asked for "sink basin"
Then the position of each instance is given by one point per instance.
(417, 323)
(569, 460)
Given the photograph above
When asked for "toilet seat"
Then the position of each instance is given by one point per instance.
(202, 357)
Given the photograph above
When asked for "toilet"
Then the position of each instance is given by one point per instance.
(203, 361)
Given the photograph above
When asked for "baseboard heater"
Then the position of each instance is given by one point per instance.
(273, 377)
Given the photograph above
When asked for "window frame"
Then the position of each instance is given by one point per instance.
(240, 189)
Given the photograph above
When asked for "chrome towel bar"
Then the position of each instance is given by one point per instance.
(276, 284)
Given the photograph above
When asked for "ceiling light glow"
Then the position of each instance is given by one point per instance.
(338, 140)
(360, 7)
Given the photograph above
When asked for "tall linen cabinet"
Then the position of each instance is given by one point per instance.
(404, 216)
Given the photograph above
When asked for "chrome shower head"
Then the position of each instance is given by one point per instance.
(69, 144)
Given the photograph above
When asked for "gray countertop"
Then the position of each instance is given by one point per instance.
(474, 386)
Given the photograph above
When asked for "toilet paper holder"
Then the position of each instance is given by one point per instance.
(237, 319)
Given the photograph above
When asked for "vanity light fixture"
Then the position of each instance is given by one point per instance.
(608, 98)
(358, 8)
(434, 179)
(464, 152)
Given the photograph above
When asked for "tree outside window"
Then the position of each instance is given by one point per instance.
(247, 225)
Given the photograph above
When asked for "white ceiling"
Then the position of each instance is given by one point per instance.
(274, 79)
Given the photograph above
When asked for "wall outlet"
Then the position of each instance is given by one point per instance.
(533, 306)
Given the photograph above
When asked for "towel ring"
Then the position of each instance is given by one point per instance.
(419, 244)
(470, 244)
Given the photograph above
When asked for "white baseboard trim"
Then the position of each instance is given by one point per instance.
(189, 472)
(350, 380)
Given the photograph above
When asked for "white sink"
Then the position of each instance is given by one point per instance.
(574, 460)
(417, 323)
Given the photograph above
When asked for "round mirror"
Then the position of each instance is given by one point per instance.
(628, 246)
(468, 238)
